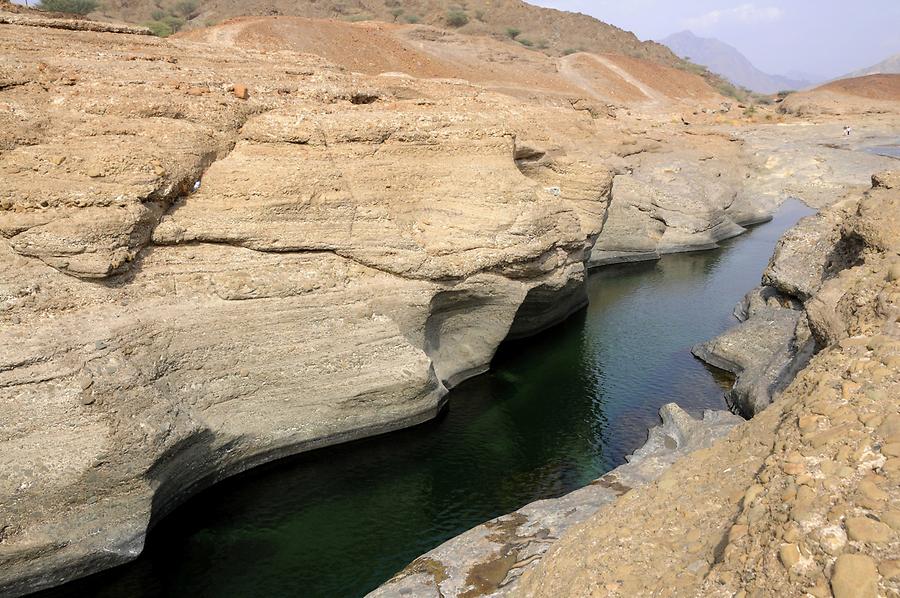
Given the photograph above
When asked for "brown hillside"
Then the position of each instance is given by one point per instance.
(552, 30)
(858, 95)
(873, 87)
(425, 52)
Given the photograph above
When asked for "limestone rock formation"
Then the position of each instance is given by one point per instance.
(764, 352)
(195, 283)
(680, 197)
(799, 500)
(490, 559)
(214, 254)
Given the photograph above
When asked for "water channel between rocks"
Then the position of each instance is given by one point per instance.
(555, 412)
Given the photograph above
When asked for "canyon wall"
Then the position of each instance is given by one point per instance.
(214, 256)
(803, 498)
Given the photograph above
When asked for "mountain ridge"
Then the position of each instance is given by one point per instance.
(727, 61)
(888, 66)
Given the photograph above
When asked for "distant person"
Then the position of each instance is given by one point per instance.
(847, 131)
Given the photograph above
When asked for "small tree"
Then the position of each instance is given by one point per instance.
(186, 8)
(512, 32)
(159, 29)
(457, 18)
(396, 12)
(75, 7)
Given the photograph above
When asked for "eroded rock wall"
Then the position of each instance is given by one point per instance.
(214, 259)
(803, 498)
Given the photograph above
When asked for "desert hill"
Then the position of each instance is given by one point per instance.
(550, 29)
(375, 48)
(868, 94)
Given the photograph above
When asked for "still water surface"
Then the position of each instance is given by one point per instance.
(555, 412)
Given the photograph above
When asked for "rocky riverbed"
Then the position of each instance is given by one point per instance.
(801, 499)
(213, 258)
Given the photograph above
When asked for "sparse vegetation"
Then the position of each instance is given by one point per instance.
(479, 14)
(166, 22)
(457, 18)
(569, 51)
(512, 32)
(159, 28)
(412, 19)
(358, 18)
(186, 8)
(729, 90)
(723, 86)
(542, 44)
(525, 42)
(396, 12)
(75, 7)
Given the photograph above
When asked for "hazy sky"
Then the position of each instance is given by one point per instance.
(825, 37)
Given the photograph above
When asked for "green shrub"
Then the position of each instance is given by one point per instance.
(158, 14)
(542, 44)
(525, 42)
(412, 19)
(158, 28)
(569, 51)
(479, 14)
(186, 8)
(512, 32)
(75, 7)
(457, 18)
(175, 23)
(396, 12)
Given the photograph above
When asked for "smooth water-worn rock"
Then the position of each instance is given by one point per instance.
(214, 255)
(809, 253)
(490, 559)
(680, 197)
(773, 509)
(338, 266)
(764, 352)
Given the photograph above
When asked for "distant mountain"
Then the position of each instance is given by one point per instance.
(888, 66)
(727, 61)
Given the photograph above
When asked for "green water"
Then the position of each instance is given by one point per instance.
(555, 412)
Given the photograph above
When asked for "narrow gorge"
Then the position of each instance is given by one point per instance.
(223, 249)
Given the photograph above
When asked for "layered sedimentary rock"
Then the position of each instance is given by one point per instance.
(774, 341)
(212, 256)
(213, 260)
(802, 499)
(687, 194)
(764, 353)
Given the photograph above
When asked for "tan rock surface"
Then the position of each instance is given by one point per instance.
(356, 245)
(353, 248)
(799, 499)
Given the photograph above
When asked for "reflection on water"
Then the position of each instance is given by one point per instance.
(891, 151)
(555, 412)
